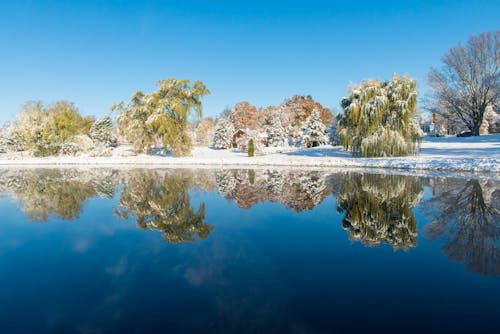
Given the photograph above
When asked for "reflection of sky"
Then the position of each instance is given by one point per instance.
(267, 267)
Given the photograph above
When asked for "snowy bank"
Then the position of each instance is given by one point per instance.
(472, 154)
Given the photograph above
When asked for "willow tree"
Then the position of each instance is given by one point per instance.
(161, 118)
(378, 118)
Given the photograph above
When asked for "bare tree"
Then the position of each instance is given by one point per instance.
(469, 81)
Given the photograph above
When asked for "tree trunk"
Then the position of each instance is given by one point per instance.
(475, 130)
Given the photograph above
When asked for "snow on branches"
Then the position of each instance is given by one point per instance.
(223, 136)
(378, 118)
(313, 131)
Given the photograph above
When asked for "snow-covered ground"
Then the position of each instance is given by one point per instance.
(472, 154)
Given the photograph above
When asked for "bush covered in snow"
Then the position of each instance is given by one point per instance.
(43, 129)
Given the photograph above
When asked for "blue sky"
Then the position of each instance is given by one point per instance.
(95, 53)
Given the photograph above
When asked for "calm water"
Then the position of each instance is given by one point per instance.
(247, 251)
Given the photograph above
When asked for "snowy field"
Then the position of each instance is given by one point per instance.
(472, 154)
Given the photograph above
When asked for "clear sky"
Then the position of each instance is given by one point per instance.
(98, 52)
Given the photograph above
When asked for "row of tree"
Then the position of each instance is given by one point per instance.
(377, 117)
(298, 121)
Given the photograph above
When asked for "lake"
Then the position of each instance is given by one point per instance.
(247, 251)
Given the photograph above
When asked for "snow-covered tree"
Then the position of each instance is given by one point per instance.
(203, 132)
(161, 117)
(223, 136)
(313, 131)
(9, 138)
(378, 118)
(102, 131)
(277, 134)
(333, 132)
(491, 122)
(42, 129)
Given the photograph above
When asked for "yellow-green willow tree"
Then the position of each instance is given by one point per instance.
(378, 118)
(161, 118)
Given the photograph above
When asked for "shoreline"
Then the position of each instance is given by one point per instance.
(425, 163)
(443, 154)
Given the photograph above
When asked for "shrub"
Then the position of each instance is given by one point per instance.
(44, 129)
(251, 148)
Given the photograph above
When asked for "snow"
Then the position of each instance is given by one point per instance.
(469, 154)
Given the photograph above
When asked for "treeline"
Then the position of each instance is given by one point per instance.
(378, 118)
(160, 120)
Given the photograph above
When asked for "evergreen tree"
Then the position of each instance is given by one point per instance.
(102, 131)
(378, 118)
(223, 136)
(277, 135)
(251, 148)
(313, 131)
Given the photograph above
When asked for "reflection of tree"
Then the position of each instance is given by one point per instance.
(296, 190)
(466, 215)
(378, 209)
(60, 193)
(162, 202)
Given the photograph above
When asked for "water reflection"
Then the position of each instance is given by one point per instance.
(48, 193)
(379, 208)
(162, 202)
(298, 191)
(462, 214)
(465, 215)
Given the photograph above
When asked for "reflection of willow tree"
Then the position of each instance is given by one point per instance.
(466, 215)
(54, 192)
(378, 209)
(295, 190)
(162, 202)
